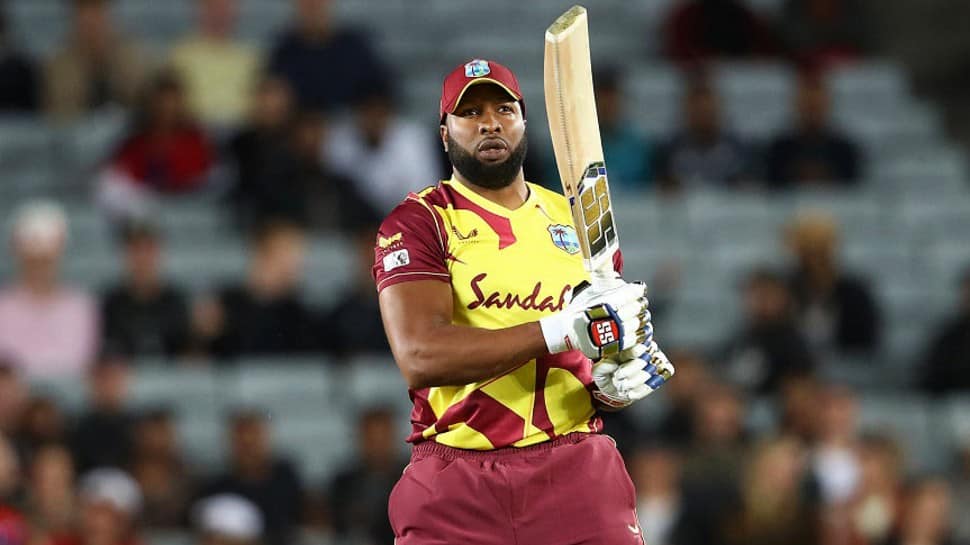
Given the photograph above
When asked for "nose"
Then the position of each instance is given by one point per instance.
(489, 123)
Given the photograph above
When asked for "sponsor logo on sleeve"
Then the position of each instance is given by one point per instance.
(386, 242)
(395, 259)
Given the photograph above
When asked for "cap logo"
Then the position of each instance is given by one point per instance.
(477, 68)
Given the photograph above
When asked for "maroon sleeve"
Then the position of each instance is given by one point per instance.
(411, 245)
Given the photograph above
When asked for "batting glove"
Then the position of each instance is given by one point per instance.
(599, 321)
(631, 375)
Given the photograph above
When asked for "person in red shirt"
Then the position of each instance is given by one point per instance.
(165, 153)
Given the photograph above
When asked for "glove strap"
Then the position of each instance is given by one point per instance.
(605, 329)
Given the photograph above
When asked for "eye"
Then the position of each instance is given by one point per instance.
(468, 112)
(506, 109)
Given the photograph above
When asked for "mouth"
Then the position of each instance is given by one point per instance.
(493, 149)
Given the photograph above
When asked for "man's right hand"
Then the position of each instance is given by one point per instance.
(599, 323)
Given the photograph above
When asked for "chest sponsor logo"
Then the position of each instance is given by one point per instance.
(564, 237)
(533, 300)
(396, 259)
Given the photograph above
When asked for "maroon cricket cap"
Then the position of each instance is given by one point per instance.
(475, 72)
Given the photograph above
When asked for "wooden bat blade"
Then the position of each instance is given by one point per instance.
(574, 128)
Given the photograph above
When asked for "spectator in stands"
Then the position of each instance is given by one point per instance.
(218, 70)
(773, 508)
(13, 399)
(353, 325)
(700, 30)
(18, 76)
(102, 435)
(265, 315)
(159, 469)
(836, 311)
(692, 378)
(713, 462)
(799, 406)
(165, 153)
(769, 347)
(46, 328)
(110, 502)
(313, 50)
(144, 315)
(926, 518)
(50, 500)
(384, 154)
(655, 470)
(875, 506)
(947, 365)
(834, 457)
(704, 153)
(43, 423)
(227, 519)
(626, 152)
(819, 33)
(96, 67)
(13, 525)
(814, 154)
(279, 173)
(270, 482)
(359, 492)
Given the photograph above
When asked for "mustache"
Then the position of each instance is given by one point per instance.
(488, 175)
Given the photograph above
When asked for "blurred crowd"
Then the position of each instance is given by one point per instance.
(308, 137)
(111, 474)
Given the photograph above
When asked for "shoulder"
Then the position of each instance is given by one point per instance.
(423, 203)
(417, 214)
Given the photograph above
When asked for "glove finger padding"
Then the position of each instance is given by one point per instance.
(638, 378)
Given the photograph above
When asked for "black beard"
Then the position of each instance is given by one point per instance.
(487, 175)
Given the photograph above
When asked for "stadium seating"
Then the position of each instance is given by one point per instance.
(904, 229)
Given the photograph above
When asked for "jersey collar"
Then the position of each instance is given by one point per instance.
(489, 205)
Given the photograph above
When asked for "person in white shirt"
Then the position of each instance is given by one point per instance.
(46, 328)
(384, 154)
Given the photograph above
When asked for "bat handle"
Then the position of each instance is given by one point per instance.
(604, 278)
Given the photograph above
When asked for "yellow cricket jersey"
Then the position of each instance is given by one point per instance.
(505, 267)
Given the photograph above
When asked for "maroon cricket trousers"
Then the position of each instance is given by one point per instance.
(573, 490)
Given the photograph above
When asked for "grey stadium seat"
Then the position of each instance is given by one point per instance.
(908, 419)
(284, 387)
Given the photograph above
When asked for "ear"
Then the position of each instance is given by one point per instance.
(443, 130)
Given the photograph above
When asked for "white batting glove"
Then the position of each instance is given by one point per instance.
(631, 375)
(599, 321)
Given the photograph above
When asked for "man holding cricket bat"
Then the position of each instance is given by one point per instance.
(507, 350)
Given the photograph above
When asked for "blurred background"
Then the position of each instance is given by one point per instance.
(190, 344)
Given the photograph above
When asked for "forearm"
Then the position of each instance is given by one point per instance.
(452, 355)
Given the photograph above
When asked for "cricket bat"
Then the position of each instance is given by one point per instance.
(574, 127)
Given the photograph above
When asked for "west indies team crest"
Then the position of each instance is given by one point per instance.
(564, 237)
(477, 69)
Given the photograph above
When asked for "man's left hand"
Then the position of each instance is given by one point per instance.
(631, 375)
